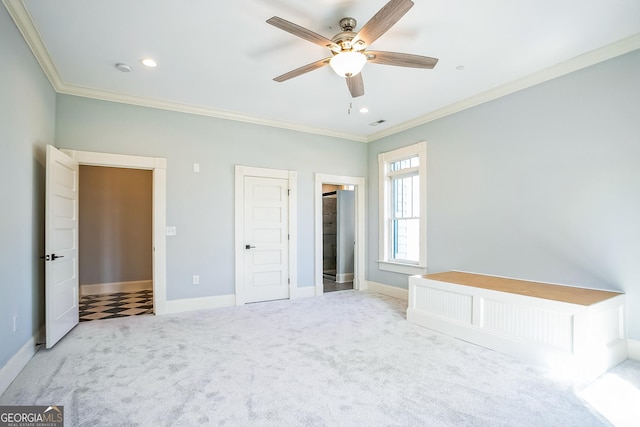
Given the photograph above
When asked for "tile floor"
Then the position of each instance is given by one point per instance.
(332, 286)
(110, 306)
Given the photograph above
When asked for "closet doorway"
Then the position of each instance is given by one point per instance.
(115, 242)
(338, 237)
(339, 233)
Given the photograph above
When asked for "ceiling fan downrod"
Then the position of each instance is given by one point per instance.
(348, 24)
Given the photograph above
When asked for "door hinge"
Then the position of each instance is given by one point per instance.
(288, 192)
(288, 236)
(289, 281)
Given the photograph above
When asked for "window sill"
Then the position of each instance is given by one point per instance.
(398, 267)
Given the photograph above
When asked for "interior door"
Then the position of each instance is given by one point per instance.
(61, 245)
(266, 231)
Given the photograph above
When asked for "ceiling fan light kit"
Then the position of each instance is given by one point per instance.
(348, 48)
(348, 64)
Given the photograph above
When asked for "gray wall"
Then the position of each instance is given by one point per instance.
(115, 240)
(200, 204)
(543, 184)
(27, 119)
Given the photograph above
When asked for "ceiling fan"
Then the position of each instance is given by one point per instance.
(348, 48)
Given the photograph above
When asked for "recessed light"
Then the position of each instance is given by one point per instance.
(364, 110)
(123, 67)
(149, 62)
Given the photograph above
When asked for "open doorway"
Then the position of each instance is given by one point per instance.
(158, 168)
(115, 242)
(340, 237)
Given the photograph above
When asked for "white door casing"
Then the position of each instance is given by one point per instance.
(359, 281)
(265, 242)
(61, 245)
(158, 166)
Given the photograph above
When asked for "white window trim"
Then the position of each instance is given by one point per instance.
(384, 236)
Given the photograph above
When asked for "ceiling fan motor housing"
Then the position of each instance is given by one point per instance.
(344, 39)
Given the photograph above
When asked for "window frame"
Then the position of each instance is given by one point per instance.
(385, 238)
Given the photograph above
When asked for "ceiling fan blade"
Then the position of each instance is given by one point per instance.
(356, 85)
(302, 32)
(302, 70)
(400, 59)
(383, 20)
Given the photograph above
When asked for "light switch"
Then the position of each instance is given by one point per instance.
(171, 231)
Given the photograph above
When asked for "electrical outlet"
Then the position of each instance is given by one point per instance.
(171, 231)
(196, 279)
(15, 323)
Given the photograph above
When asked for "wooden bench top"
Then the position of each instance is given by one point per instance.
(573, 295)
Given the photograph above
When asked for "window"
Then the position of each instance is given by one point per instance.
(402, 209)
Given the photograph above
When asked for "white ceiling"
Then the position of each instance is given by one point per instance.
(219, 58)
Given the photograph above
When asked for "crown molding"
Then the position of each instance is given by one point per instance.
(104, 95)
(574, 64)
(22, 18)
(30, 34)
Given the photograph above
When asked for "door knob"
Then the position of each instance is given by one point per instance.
(249, 247)
(54, 257)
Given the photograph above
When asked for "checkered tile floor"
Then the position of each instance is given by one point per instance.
(110, 306)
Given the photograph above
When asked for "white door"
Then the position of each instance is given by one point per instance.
(61, 245)
(266, 231)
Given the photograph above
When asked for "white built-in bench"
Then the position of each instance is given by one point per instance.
(558, 326)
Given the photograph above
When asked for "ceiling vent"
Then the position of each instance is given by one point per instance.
(377, 122)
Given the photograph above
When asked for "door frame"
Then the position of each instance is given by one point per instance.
(359, 281)
(158, 166)
(240, 173)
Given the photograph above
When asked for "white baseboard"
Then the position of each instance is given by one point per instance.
(306, 292)
(14, 366)
(191, 304)
(633, 349)
(111, 288)
(202, 303)
(391, 291)
(344, 277)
